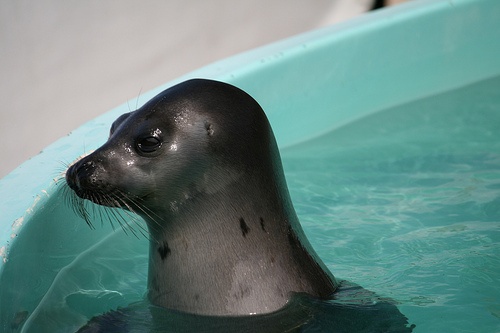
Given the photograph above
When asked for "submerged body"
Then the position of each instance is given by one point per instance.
(200, 164)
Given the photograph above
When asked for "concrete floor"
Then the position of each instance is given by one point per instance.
(65, 62)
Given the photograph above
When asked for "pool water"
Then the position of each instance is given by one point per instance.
(404, 202)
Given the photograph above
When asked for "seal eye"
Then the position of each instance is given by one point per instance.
(148, 144)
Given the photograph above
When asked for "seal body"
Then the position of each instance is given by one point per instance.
(199, 163)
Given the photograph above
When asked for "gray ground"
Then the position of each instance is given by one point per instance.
(65, 62)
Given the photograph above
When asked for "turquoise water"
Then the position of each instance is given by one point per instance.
(404, 202)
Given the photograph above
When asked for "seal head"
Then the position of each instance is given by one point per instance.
(200, 164)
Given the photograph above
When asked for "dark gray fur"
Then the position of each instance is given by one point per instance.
(225, 239)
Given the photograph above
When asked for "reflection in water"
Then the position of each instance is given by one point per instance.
(353, 309)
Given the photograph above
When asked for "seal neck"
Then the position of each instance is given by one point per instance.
(237, 250)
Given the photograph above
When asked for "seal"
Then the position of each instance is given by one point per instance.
(200, 164)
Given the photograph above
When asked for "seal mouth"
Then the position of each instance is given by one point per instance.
(84, 190)
(82, 179)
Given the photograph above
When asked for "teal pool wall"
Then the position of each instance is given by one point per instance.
(308, 85)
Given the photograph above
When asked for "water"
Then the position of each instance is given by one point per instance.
(404, 202)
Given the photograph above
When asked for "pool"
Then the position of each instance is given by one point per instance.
(388, 128)
(407, 200)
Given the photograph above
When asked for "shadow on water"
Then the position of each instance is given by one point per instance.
(353, 309)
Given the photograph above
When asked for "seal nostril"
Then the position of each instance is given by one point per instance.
(81, 175)
(209, 128)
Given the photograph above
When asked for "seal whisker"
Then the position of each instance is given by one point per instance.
(137, 99)
(104, 215)
(104, 212)
(124, 199)
(118, 200)
(113, 214)
(83, 211)
(130, 202)
(59, 172)
(148, 212)
(75, 204)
